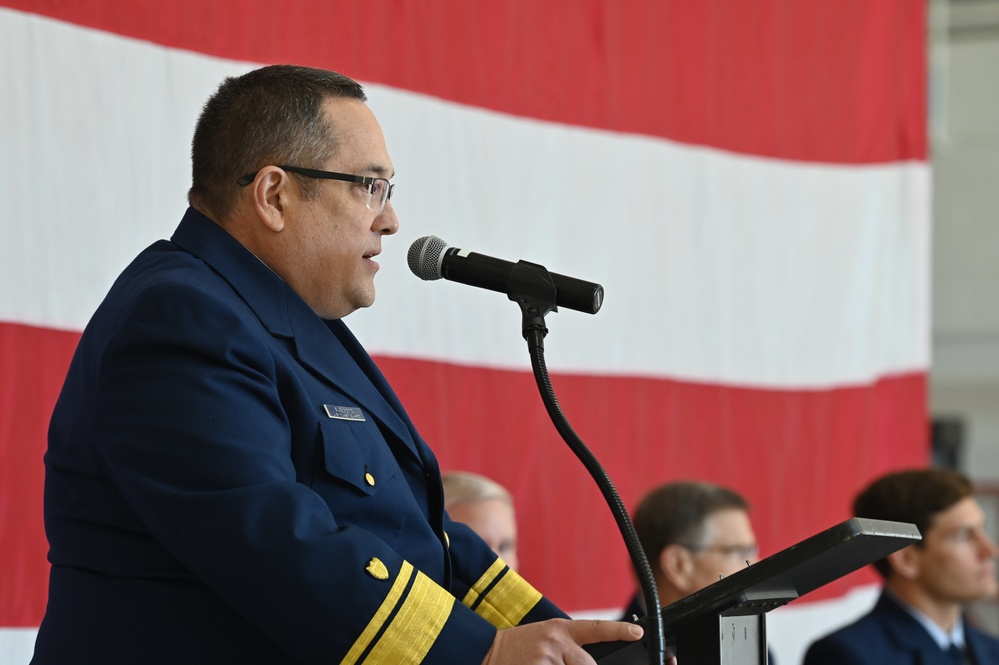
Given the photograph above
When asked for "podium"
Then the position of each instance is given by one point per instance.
(725, 623)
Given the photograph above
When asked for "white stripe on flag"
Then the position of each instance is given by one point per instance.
(17, 645)
(718, 267)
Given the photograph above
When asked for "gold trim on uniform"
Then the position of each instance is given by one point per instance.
(381, 615)
(483, 582)
(412, 631)
(507, 602)
(416, 627)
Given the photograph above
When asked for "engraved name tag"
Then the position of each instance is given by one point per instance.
(344, 412)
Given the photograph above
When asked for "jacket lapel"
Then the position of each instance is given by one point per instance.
(983, 648)
(331, 350)
(907, 634)
(326, 347)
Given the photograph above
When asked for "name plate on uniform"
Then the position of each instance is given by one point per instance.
(344, 412)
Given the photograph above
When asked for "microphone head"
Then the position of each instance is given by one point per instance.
(425, 257)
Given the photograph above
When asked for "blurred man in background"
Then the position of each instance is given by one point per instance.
(919, 616)
(693, 533)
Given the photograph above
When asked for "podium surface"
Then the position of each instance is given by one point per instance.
(724, 623)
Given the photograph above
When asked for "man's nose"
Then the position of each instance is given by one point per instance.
(987, 546)
(387, 222)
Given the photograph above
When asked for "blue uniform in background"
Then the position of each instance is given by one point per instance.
(890, 635)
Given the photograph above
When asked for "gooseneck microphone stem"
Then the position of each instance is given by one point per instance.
(531, 287)
(539, 292)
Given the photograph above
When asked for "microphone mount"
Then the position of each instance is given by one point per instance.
(531, 286)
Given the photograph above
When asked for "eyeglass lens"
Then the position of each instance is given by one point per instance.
(379, 192)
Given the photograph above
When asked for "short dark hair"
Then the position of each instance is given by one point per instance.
(675, 513)
(271, 115)
(916, 496)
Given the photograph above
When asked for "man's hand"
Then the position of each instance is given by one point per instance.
(556, 641)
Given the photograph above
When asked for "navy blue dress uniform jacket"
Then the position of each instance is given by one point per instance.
(230, 479)
(889, 635)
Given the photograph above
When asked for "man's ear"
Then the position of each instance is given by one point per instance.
(676, 565)
(906, 562)
(271, 192)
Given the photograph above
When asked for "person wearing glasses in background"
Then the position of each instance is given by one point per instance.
(229, 478)
(919, 618)
(693, 534)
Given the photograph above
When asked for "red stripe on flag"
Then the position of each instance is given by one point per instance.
(33, 364)
(841, 82)
(798, 456)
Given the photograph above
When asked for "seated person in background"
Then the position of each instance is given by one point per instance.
(486, 507)
(918, 618)
(693, 533)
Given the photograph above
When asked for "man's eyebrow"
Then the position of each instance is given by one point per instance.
(379, 170)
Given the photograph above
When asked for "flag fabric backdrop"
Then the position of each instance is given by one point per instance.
(749, 182)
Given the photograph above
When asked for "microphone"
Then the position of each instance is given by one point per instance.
(431, 258)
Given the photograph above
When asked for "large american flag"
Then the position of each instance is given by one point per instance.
(748, 180)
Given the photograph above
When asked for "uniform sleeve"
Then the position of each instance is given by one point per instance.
(486, 585)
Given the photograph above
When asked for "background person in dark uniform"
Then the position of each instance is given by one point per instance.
(918, 619)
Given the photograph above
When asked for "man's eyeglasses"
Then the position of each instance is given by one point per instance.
(379, 189)
(740, 552)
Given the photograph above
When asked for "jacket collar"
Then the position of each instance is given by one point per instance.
(909, 635)
(902, 628)
(284, 314)
(983, 647)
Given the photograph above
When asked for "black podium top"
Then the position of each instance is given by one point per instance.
(774, 581)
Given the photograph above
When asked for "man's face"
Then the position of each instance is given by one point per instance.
(494, 521)
(333, 238)
(729, 546)
(956, 561)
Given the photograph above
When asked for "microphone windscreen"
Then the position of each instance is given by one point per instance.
(425, 257)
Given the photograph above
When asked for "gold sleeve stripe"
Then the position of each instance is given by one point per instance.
(503, 599)
(377, 622)
(488, 578)
(415, 628)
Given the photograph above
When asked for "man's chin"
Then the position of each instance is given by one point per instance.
(987, 591)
